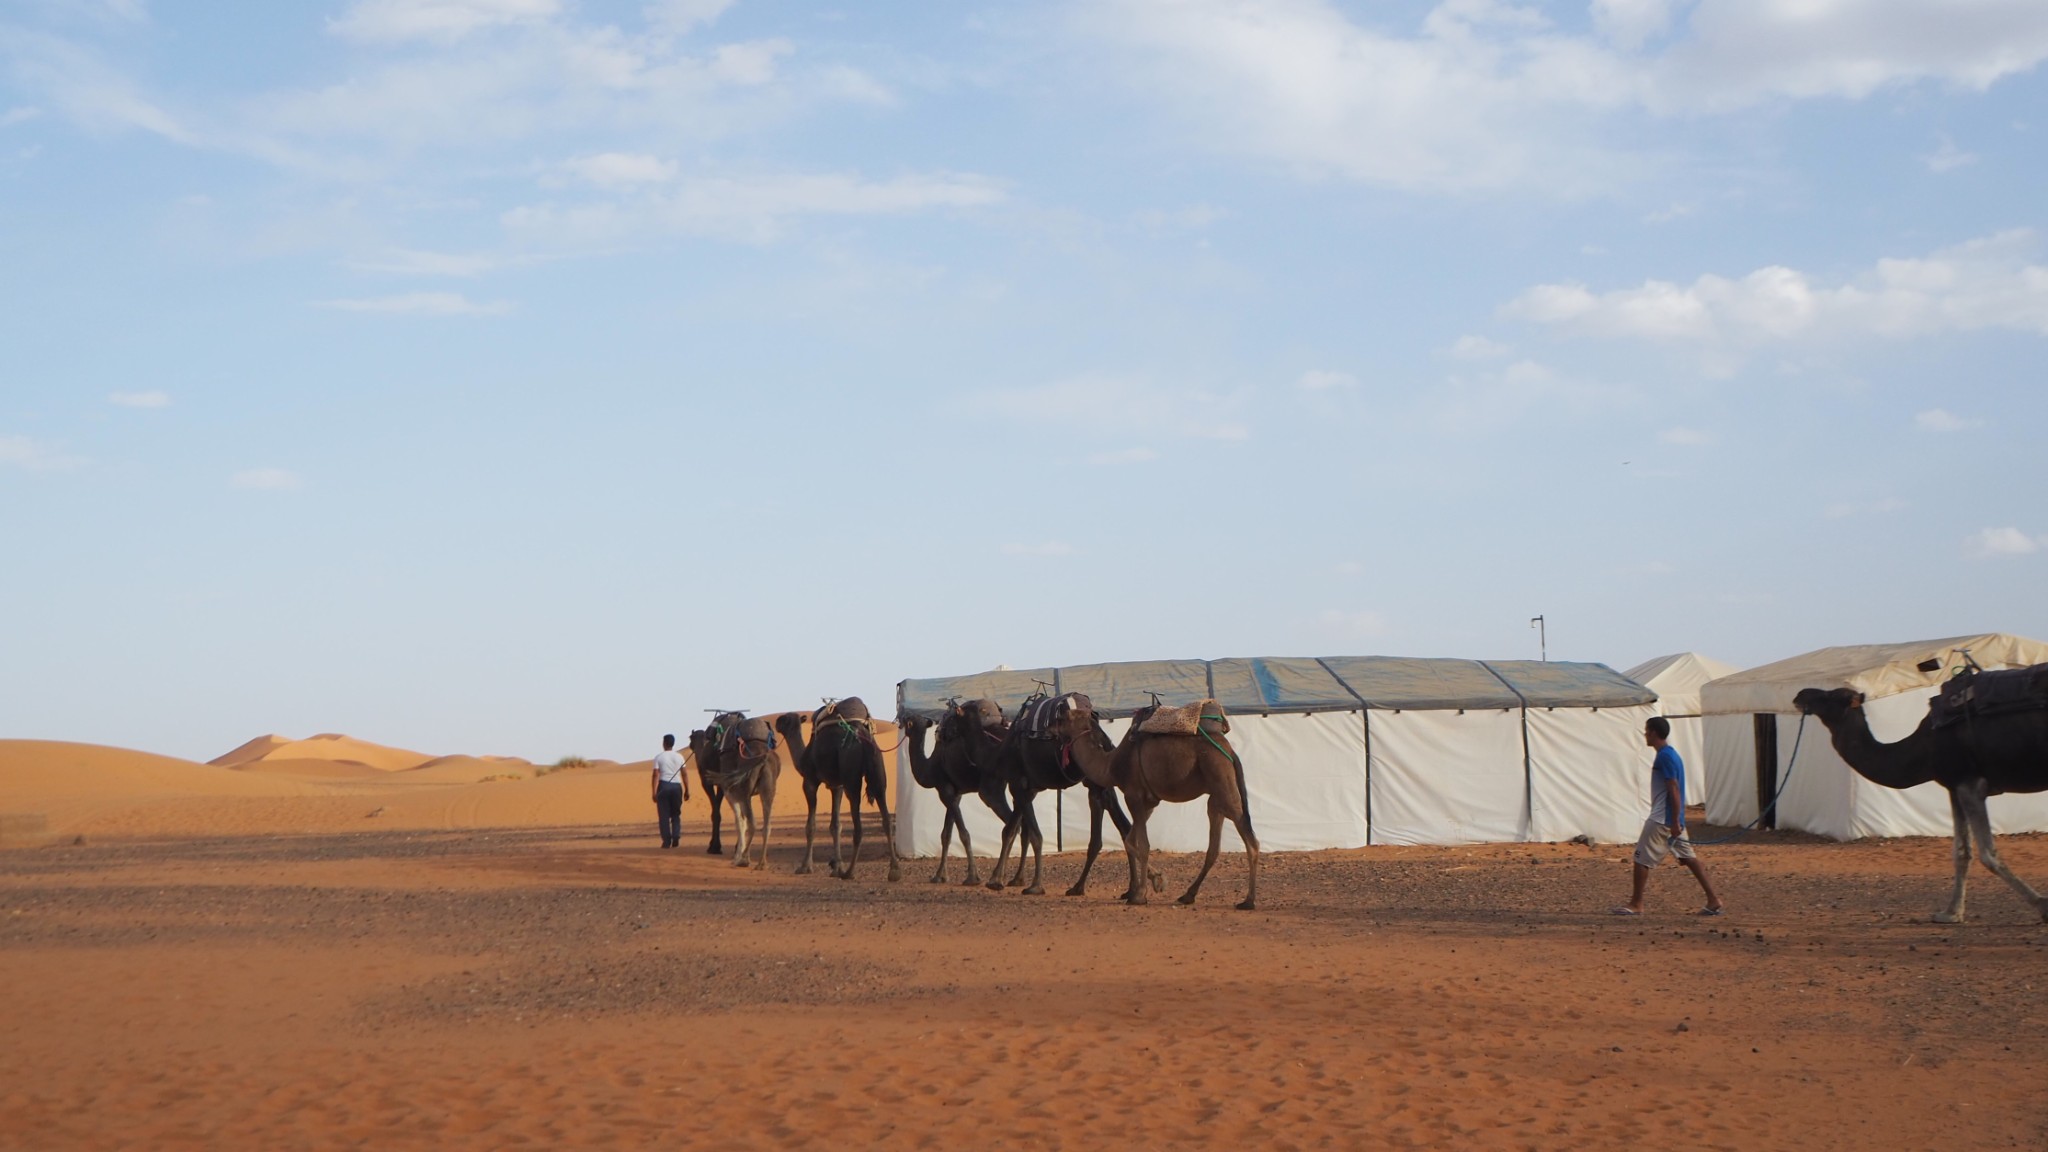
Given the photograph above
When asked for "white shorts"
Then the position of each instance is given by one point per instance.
(1657, 842)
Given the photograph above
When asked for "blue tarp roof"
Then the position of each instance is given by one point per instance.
(1298, 684)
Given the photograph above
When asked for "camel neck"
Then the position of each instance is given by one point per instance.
(1898, 765)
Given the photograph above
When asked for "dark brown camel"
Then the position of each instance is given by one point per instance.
(707, 776)
(1149, 768)
(843, 756)
(747, 766)
(1020, 766)
(1974, 759)
(938, 771)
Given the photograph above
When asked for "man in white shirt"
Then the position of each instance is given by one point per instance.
(671, 788)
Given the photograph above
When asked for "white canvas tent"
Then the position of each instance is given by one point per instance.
(1751, 728)
(1676, 679)
(1341, 752)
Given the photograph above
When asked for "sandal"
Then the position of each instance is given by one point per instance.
(1710, 912)
(1622, 910)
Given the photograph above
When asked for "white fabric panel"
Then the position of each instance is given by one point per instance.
(1074, 813)
(1731, 769)
(1816, 796)
(920, 816)
(1444, 777)
(1688, 736)
(1306, 775)
(1590, 773)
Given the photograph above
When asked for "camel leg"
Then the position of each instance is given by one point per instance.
(837, 862)
(1011, 821)
(767, 819)
(1035, 840)
(742, 829)
(1251, 857)
(810, 825)
(853, 810)
(1080, 887)
(888, 834)
(1953, 914)
(717, 798)
(1123, 829)
(1208, 861)
(1980, 821)
(1138, 850)
(966, 843)
(1027, 823)
(945, 845)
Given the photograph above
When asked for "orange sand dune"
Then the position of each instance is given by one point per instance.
(314, 769)
(326, 746)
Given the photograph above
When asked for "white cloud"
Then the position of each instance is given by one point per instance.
(150, 399)
(21, 115)
(34, 456)
(1983, 284)
(265, 479)
(1043, 548)
(1355, 623)
(1686, 436)
(1942, 420)
(399, 20)
(678, 17)
(1486, 94)
(751, 62)
(1103, 404)
(1139, 455)
(1479, 348)
(413, 262)
(752, 208)
(422, 304)
(1948, 157)
(621, 169)
(2005, 542)
(1326, 380)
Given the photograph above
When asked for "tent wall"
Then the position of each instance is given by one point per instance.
(1589, 773)
(1445, 777)
(1730, 757)
(1688, 736)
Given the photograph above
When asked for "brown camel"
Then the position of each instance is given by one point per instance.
(1150, 769)
(843, 756)
(939, 771)
(1974, 755)
(747, 766)
(707, 777)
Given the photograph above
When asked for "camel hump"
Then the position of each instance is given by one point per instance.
(756, 728)
(1186, 719)
(1981, 694)
(853, 708)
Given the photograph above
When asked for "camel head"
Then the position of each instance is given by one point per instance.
(1080, 723)
(913, 724)
(790, 724)
(1830, 704)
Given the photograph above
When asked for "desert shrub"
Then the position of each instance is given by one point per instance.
(563, 764)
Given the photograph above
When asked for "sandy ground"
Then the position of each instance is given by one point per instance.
(493, 989)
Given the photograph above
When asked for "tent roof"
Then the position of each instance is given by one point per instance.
(1873, 669)
(1676, 680)
(1298, 684)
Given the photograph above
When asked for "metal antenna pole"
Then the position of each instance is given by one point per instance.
(1542, 637)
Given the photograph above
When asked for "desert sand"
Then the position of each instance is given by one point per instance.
(242, 955)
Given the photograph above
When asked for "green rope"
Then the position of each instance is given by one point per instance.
(1214, 744)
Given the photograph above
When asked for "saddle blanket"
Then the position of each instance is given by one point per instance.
(1185, 720)
(1038, 715)
(1975, 694)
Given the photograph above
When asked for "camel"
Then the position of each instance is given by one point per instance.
(1022, 766)
(707, 776)
(939, 771)
(1150, 768)
(1974, 757)
(743, 751)
(843, 756)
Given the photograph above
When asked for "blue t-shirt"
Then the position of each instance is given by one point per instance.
(1667, 766)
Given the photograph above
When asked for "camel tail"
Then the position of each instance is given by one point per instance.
(1244, 794)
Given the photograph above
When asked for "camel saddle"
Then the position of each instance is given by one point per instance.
(1035, 720)
(851, 712)
(1185, 719)
(1975, 694)
(747, 730)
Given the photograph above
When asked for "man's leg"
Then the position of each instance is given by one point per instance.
(1699, 873)
(1635, 898)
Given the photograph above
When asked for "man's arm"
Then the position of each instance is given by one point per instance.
(654, 784)
(1677, 806)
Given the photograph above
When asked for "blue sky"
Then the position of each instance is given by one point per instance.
(527, 376)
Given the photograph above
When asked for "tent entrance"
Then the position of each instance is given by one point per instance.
(1766, 767)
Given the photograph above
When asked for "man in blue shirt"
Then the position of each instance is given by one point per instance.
(1664, 832)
